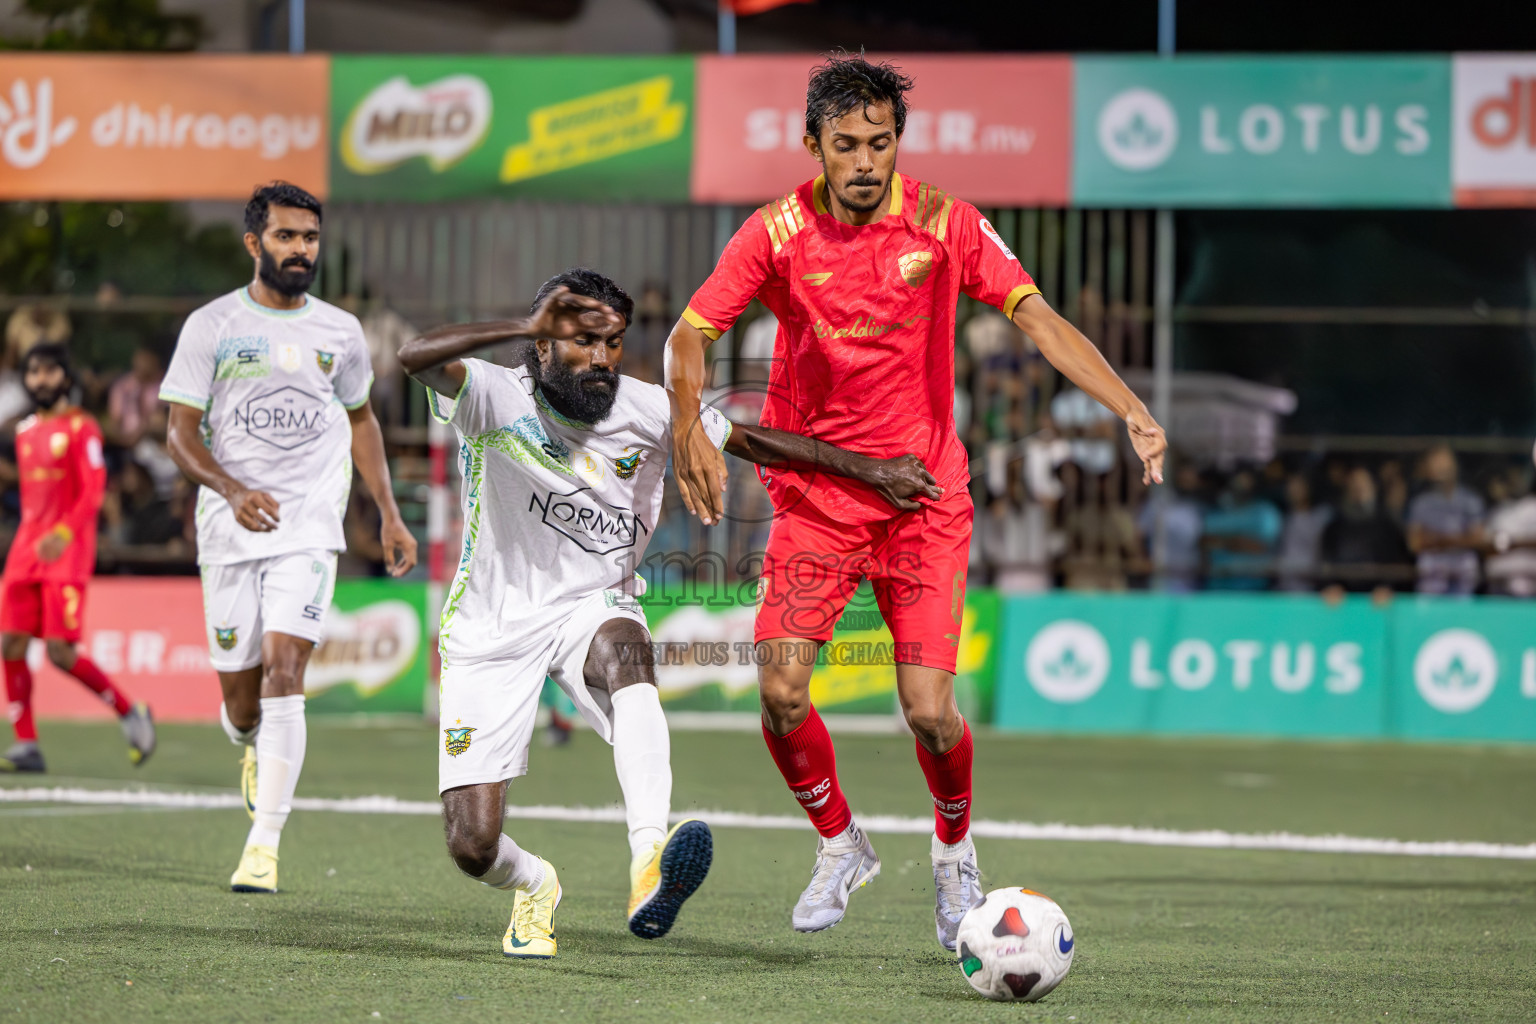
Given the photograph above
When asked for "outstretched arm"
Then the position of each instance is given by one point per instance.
(1076, 357)
(897, 480)
(434, 358)
(368, 457)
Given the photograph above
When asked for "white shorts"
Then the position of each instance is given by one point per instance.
(286, 594)
(487, 707)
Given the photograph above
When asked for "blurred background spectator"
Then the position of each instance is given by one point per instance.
(1445, 528)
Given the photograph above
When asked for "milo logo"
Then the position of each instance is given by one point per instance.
(443, 121)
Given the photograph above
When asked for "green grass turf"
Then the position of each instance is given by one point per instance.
(374, 918)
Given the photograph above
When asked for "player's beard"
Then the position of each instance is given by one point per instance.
(292, 279)
(845, 197)
(577, 396)
(47, 398)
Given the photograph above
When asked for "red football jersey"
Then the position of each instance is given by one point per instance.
(62, 480)
(865, 353)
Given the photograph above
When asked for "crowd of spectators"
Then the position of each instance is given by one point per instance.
(1328, 525)
(1059, 500)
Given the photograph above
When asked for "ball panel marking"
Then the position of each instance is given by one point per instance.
(1011, 923)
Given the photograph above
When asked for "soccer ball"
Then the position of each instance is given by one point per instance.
(1015, 944)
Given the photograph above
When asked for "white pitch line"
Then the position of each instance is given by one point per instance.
(1209, 839)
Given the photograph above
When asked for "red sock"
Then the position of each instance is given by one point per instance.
(949, 780)
(18, 689)
(809, 764)
(86, 671)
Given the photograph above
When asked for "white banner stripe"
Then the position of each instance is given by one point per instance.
(1210, 839)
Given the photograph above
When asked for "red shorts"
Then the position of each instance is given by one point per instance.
(915, 564)
(43, 608)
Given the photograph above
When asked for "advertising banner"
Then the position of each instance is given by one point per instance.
(1260, 664)
(1467, 670)
(582, 129)
(160, 127)
(706, 662)
(992, 130)
(1268, 664)
(148, 635)
(1256, 132)
(1493, 97)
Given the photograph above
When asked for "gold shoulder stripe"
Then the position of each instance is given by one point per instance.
(773, 231)
(932, 214)
(783, 217)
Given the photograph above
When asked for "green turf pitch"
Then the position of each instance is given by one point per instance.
(375, 920)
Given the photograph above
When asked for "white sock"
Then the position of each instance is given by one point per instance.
(948, 851)
(515, 868)
(236, 736)
(642, 757)
(279, 759)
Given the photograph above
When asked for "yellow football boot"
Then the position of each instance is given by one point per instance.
(531, 932)
(248, 780)
(660, 881)
(257, 871)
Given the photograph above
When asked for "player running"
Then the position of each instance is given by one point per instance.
(863, 268)
(563, 462)
(269, 412)
(58, 452)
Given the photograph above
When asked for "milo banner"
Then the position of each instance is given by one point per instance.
(706, 660)
(375, 654)
(149, 635)
(582, 129)
(1262, 131)
(1270, 665)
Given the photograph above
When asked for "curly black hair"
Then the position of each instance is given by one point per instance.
(590, 283)
(847, 80)
(53, 352)
(276, 193)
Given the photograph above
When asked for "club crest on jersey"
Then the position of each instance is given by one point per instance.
(915, 267)
(326, 361)
(456, 741)
(626, 465)
(58, 444)
(226, 638)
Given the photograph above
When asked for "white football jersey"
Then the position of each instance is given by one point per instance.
(554, 510)
(275, 386)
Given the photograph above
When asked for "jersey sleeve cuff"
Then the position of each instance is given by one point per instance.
(1017, 296)
(729, 426)
(181, 398)
(367, 390)
(441, 407)
(710, 330)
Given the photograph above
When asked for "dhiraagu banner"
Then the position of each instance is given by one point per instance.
(1262, 131)
(566, 128)
(374, 655)
(1261, 664)
(706, 660)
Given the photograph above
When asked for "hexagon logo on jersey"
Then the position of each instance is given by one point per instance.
(326, 361)
(594, 524)
(284, 417)
(915, 267)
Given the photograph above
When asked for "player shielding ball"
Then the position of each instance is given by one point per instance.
(563, 462)
(269, 412)
(863, 268)
(63, 477)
